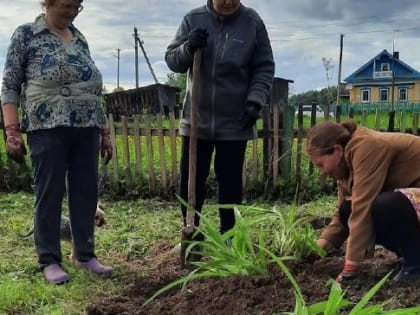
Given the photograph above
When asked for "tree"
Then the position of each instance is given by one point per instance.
(321, 97)
(178, 80)
(328, 67)
(118, 89)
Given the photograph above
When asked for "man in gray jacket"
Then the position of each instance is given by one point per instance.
(236, 75)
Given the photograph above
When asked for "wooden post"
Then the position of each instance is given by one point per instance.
(415, 124)
(126, 148)
(162, 156)
(114, 148)
(172, 133)
(299, 146)
(137, 146)
(149, 149)
(275, 142)
(287, 141)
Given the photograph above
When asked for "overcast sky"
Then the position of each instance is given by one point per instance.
(303, 32)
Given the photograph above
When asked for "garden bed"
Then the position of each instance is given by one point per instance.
(262, 295)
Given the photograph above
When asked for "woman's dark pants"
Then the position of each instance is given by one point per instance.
(396, 225)
(59, 155)
(228, 165)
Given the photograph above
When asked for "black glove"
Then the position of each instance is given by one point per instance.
(197, 38)
(250, 115)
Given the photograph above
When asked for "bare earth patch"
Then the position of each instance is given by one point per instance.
(248, 294)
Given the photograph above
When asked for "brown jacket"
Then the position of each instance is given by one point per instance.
(378, 162)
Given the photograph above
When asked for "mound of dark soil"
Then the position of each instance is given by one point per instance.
(249, 294)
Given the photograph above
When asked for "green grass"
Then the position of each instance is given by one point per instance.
(131, 230)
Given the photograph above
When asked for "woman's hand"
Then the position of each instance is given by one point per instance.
(106, 145)
(14, 143)
(350, 272)
(325, 245)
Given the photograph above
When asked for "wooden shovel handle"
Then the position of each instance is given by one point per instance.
(192, 165)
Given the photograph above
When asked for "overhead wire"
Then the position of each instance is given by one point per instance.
(361, 22)
(320, 35)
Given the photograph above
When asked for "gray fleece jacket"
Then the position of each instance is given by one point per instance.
(237, 66)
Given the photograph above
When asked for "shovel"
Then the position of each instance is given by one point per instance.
(189, 229)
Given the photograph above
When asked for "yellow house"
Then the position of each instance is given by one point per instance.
(384, 81)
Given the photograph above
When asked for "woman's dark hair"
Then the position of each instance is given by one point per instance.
(322, 138)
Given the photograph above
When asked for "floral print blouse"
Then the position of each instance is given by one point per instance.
(413, 194)
(56, 82)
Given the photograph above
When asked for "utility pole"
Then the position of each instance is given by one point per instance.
(139, 42)
(118, 68)
(337, 103)
(392, 111)
(136, 55)
(393, 71)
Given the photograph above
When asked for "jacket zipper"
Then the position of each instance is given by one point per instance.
(220, 51)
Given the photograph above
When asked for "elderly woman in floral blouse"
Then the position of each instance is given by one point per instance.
(49, 73)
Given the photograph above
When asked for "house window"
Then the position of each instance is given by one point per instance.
(365, 96)
(402, 94)
(383, 95)
(384, 66)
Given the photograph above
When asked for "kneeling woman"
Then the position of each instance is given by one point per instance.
(378, 178)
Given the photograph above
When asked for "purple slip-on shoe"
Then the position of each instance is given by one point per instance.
(55, 275)
(93, 265)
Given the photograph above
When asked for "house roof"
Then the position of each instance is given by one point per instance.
(365, 73)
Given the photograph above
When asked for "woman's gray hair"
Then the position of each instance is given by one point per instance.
(50, 2)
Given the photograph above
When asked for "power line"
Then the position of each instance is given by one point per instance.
(320, 35)
(359, 21)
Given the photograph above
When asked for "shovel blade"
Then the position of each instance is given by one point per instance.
(193, 255)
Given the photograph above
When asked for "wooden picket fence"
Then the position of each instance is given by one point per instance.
(147, 153)
(275, 164)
